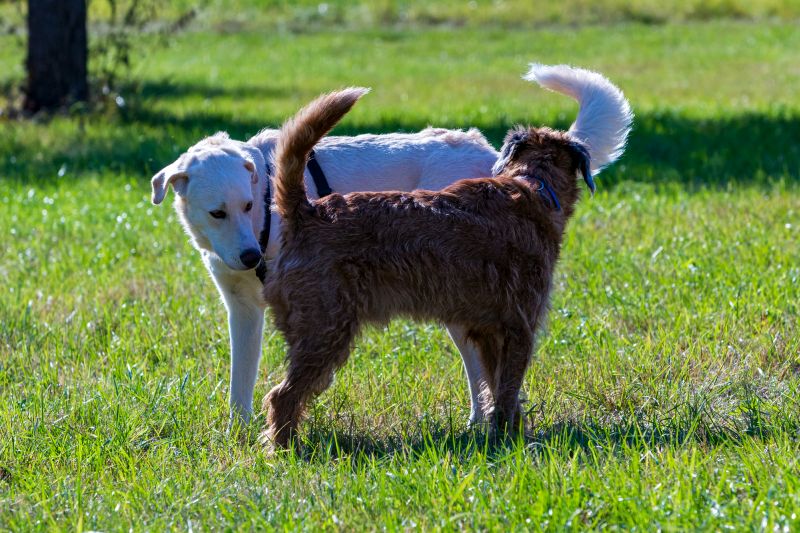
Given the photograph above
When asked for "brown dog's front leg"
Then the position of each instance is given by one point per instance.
(510, 373)
(313, 359)
(286, 405)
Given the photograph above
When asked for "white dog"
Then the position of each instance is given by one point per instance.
(221, 186)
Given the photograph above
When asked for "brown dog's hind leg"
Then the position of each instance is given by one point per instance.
(509, 375)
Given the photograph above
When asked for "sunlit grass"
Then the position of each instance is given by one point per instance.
(663, 392)
(227, 16)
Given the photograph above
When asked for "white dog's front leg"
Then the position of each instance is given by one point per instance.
(246, 324)
(473, 368)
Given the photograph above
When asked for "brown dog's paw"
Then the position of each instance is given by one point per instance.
(507, 424)
(268, 445)
(275, 442)
(265, 440)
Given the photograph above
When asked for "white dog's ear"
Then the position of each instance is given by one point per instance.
(254, 162)
(513, 140)
(251, 168)
(172, 174)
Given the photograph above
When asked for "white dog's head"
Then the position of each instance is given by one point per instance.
(216, 184)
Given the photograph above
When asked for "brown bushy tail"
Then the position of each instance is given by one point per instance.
(297, 137)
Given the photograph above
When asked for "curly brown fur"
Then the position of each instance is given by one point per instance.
(479, 253)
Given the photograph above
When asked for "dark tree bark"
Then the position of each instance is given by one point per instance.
(57, 54)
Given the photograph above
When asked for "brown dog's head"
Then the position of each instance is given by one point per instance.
(549, 155)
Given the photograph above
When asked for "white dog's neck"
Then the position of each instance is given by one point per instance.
(262, 210)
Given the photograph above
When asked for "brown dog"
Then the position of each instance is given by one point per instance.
(479, 253)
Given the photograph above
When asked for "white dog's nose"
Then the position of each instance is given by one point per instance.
(250, 257)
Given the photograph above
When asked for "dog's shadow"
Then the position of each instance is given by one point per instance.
(321, 443)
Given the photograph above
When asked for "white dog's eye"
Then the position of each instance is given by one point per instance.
(248, 207)
(218, 213)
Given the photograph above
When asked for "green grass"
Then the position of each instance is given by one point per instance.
(227, 16)
(664, 390)
(302, 15)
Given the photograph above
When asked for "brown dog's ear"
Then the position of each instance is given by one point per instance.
(513, 141)
(172, 174)
(583, 162)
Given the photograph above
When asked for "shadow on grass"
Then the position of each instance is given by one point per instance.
(567, 438)
(665, 148)
(691, 422)
(168, 90)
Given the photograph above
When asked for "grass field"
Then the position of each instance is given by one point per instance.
(664, 391)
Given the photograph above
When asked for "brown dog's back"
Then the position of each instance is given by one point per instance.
(425, 254)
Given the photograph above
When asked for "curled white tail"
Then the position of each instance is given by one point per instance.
(605, 116)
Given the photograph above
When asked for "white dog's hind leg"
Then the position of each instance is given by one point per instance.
(246, 324)
(473, 368)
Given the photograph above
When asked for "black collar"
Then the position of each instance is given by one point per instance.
(323, 189)
(263, 238)
(546, 191)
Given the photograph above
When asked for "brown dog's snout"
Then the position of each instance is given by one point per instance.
(250, 257)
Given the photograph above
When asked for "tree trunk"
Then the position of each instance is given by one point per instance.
(57, 54)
